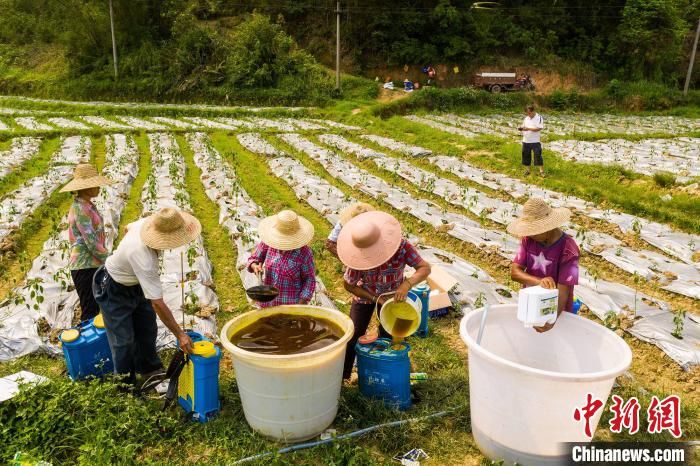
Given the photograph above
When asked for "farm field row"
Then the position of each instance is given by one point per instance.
(636, 271)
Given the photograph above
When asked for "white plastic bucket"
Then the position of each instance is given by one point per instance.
(524, 386)
(293, 397)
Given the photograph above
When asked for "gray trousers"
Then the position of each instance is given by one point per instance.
(131, 325)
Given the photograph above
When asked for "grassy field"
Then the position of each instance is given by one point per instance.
(96, 423)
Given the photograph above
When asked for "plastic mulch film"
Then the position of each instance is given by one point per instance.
(344, 145)
(563, 124)
(658, 330)
(335, 124)
(600, 296)
(683, 246)
(141, 123)
(441, 126)
(32, 124)
(19, 204)
(175, 122)
(237, 123)
(21, 150)
(306, 125)
(3, 126)
(105, 123)
(670, 274)
(391, 144)
(266, 123)
(680, 156)
(67, 123)
(239, 214)
(208, 123)
(34, 314)
(165, 187)
(474, 286)
(256, 144)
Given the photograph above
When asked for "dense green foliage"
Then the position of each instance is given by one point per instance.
(166, 49)
(218, 50)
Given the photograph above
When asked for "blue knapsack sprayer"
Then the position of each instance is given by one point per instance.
(198, 379)
(86, 349)
(383, 366)
(196, 376)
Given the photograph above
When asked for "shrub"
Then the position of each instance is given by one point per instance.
(665, 179)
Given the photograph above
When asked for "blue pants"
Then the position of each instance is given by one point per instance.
(528, 149)
(131, 325)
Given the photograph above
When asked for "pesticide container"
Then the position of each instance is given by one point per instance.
(524, 386)
(402, 319)
(537, 306)
(198, 385)
(384, 372)
(423, 292)
(291, 397)
(86, 349)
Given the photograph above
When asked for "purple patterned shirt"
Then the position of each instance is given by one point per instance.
(291, 272)
(559, 261)
(87, 235)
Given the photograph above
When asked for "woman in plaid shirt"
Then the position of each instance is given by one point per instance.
(373, 249)
(285, 258)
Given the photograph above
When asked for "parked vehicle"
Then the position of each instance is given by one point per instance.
(498, 82)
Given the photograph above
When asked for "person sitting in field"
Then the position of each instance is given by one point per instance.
(407, 85)
(86, 234)
(547, 257)
(373, 250)
(285, 258)
(347, 214)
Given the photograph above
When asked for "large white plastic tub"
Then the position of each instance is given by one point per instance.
(524, 386)
(292, 397)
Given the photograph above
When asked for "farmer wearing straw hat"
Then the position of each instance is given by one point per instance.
(86, 234)
(347, 214)
(285, 258)
(547, 257)
(372, 248)
(129, 291)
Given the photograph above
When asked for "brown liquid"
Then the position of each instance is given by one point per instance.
(400, 330)
(287, 334)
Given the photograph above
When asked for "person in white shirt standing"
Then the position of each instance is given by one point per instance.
(130, 294)
(531, 128)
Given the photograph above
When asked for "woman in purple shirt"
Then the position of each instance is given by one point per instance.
(547, 256)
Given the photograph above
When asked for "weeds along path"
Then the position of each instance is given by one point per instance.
(229, 288)
(187, 269)
(270, 197)
(46, 302)
(669, 274)
(607, 186)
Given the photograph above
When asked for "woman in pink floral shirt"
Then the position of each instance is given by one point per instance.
(285, 258)
(86, 234)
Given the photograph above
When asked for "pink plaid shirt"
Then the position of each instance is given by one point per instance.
(291, 272)
(388, 276)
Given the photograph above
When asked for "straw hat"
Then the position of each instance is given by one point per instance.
(169, 229)
(369, 240)
(85, 176)
(353, 210)
(538, 217)
(285, 231)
